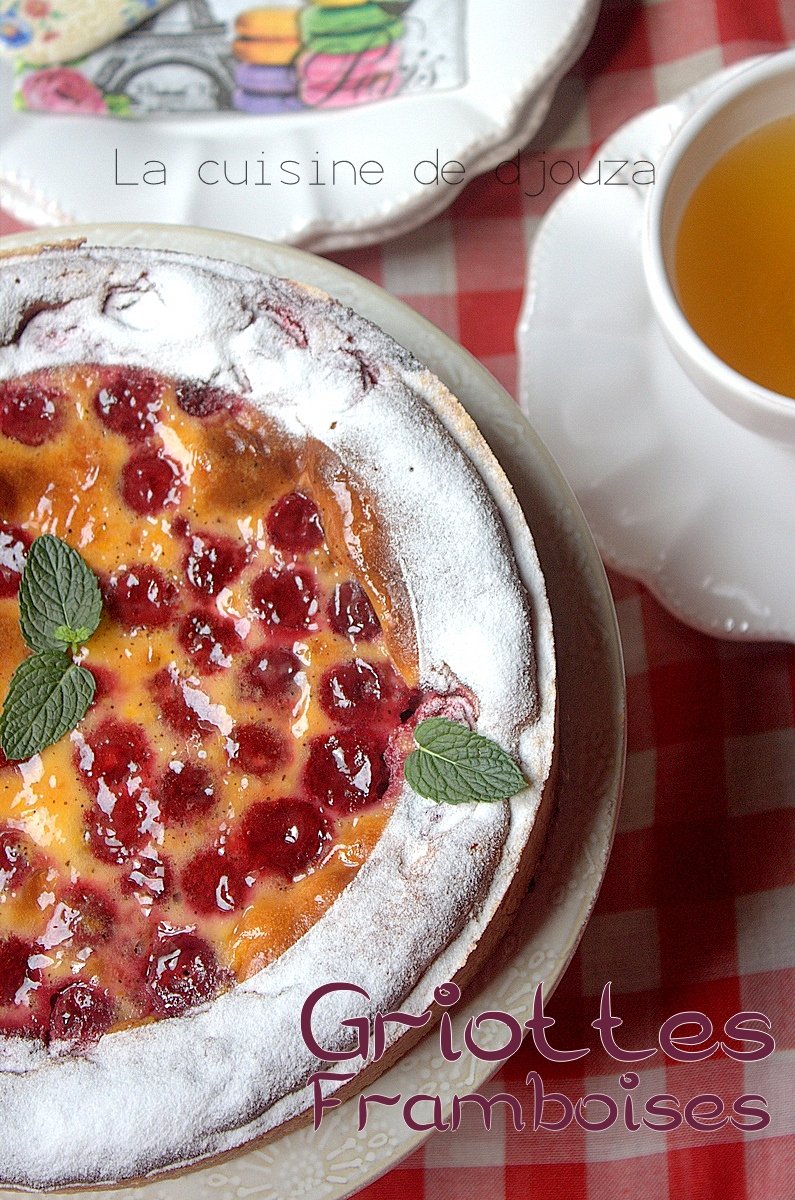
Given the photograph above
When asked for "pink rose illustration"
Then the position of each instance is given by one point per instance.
(37, 8)
(60, 89)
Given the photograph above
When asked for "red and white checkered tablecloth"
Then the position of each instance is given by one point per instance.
(696, 912)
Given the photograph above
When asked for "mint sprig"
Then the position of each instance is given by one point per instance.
(59, 599)
(60, 606)
(454, 765)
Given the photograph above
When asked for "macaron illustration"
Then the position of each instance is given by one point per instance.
(267, 36)
(348, 30)
(341, 80)
(266, 45)
(351, 53)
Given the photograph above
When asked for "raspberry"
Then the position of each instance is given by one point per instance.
(345, 770)
(294, 524)
(286, 598)
(150, 482)
(283, 837)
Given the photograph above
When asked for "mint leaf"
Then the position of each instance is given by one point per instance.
(47, 696)
(454, 765)
(59, 595)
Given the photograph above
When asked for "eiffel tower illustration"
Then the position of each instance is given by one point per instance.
(178, 61)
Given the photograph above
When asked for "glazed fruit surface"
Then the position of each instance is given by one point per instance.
(230, 777)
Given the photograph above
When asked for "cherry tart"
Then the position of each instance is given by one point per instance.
(230, 776)
(304, 549)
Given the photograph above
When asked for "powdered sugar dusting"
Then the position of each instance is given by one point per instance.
(178, 1090)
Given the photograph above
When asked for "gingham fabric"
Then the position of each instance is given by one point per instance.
(696, 912)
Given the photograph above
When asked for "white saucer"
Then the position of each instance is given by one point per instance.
(56, 169)
(338, 1160)
(679, 496)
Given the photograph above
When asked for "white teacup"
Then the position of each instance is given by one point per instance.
(762, 92)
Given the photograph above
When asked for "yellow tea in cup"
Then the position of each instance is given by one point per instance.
(735, 257)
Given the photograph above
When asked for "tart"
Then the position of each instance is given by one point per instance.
(304, 549)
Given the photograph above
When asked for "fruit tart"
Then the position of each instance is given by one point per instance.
(300, 552)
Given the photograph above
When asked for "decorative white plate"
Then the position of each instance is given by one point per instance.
(57, 169)
(679, 496)
(337, 1160)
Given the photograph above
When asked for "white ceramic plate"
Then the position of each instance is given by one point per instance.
(677, 494)
(337, 1160)
(57, 169)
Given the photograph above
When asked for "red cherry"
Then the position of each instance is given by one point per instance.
(150, 482)
(116, 835)
(182, 972)
(106, 683)
(213, 562)
(16, 856)
(30, 413)
(270, 674)
(345, 770)
(286, 598)
(14, 545)
(208, 639)
(294, 524)
(351, 613)
(116, 753)
(128, 401)
(141, 596)
(88, 913)
(7, 764)
(214, 881)
(14, 955)
(24, 1022)
(260, 749)
(361, 691)
(185, 793)
(80, 1014)
(199, 401)
(284, 837)
(149, 878)
(177, 700)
